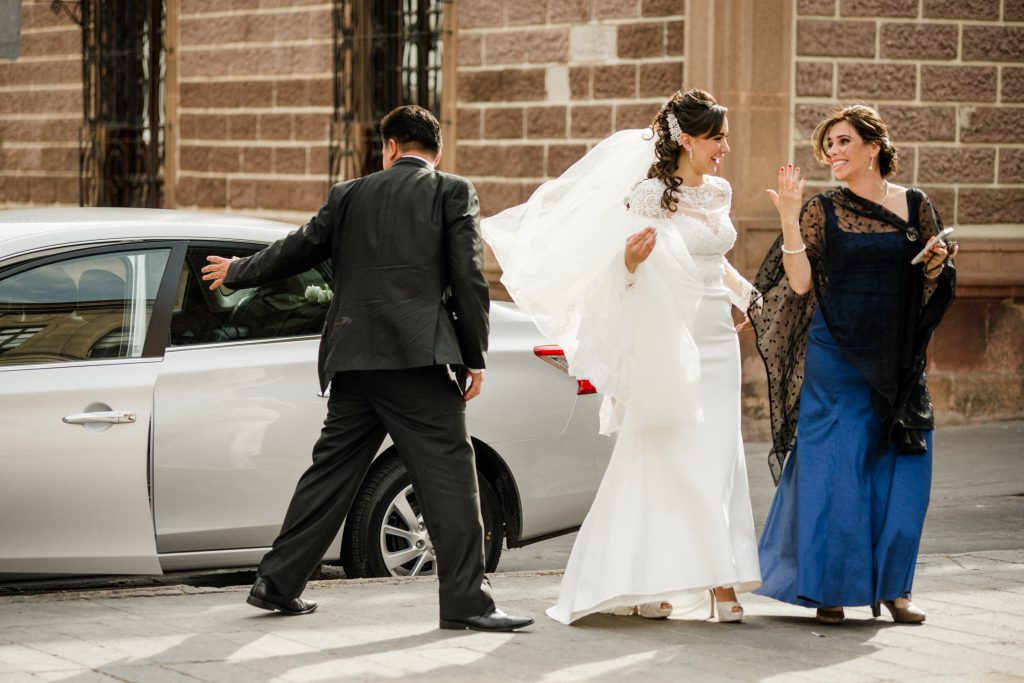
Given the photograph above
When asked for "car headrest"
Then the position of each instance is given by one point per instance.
(97, 284)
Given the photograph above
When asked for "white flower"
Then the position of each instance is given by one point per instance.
(318, 295)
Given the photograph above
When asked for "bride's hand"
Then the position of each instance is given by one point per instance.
(639, 246)
(789, 197)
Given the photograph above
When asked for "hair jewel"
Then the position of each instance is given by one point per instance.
(673, 126)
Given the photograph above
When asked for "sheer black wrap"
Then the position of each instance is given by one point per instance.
(880, 309)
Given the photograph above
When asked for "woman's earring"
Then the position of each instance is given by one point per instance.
(691, 154)
(871, 164)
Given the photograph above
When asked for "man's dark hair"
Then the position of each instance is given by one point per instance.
(412, 125)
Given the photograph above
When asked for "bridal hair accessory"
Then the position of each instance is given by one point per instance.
(674, 130)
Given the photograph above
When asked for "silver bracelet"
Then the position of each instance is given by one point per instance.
(802, 249)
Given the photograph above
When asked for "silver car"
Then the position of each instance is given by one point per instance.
(148, 424)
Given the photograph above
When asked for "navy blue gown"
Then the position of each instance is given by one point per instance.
(845, 523)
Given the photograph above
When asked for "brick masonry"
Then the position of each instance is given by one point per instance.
(540, 82)
(946, 76)
(41, 112)
(254, 106)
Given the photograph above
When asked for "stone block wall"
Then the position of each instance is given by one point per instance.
(41, 111)
(254, 103)
(540, 81)
(948, 78)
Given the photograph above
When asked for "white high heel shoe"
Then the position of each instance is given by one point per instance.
(728, 612)
(654, 610)
(622, 611)
(647, 610)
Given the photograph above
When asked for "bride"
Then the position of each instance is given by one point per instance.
(638, 294)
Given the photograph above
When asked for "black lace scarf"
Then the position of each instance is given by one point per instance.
(883, 333)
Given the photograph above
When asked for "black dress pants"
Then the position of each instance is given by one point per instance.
(425, 414)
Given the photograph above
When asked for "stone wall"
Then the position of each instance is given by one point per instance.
(541, 81)
(41, 111)
(253, 106)
(948, 78)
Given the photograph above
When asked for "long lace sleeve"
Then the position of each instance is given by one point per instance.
(780, 318)
(741, 293)
(644, 202)
(812, 227)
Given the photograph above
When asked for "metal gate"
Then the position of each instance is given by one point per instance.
(121, 142)
(386, 53)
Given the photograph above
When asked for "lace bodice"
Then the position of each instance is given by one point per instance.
(702, 219)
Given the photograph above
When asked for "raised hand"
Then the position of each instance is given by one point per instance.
(789, 197)
(639, 246)
(217, 270)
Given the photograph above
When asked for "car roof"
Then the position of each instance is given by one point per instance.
(30, 229)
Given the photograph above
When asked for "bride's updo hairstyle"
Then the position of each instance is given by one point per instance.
(869, 126)
(698, 115)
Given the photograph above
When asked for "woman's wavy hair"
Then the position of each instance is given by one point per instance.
(698, 115)
(871, 128)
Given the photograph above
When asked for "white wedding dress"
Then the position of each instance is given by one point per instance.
(672, 517)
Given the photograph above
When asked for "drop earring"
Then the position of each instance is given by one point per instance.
(871, 164)
(691, 154)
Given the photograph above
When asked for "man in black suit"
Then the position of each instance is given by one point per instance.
(410, 299)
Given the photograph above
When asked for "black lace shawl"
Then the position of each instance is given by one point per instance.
(879, 308)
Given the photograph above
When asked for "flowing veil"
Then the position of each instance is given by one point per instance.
(561, 255)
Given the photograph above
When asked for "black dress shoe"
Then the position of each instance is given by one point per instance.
(263, 595)
(492, 621)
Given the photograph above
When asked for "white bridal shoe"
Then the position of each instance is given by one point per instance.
(647, 610)
(727, 611)
(654, 610)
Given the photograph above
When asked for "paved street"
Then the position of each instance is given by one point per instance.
(970, 580)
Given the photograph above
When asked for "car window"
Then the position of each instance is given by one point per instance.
(89, 307)
(291, 307)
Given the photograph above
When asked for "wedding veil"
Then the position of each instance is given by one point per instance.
(561, 255)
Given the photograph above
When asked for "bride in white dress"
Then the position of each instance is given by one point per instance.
(639, 295)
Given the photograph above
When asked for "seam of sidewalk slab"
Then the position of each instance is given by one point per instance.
(182, 589)
(999, 556)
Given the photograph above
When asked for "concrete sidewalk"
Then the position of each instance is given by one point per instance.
(385, 629)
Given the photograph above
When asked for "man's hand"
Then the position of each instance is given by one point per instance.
(217, 270)
(475, 385)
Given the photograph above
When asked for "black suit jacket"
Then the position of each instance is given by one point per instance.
(405, 248)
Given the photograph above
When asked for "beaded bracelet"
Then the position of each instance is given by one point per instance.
(937, 272)
(802, 249)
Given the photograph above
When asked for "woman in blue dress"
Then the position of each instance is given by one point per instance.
(842, 325)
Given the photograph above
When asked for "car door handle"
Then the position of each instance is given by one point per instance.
(105, 416)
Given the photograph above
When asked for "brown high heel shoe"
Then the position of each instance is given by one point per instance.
(830, 615)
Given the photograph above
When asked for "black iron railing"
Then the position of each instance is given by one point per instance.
(386, 53)
(121, 142)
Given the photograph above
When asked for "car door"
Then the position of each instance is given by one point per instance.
(77, 372)
(237, 410)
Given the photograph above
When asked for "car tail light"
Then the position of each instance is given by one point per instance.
(554, 355)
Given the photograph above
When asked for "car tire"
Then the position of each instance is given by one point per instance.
(379, 504)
